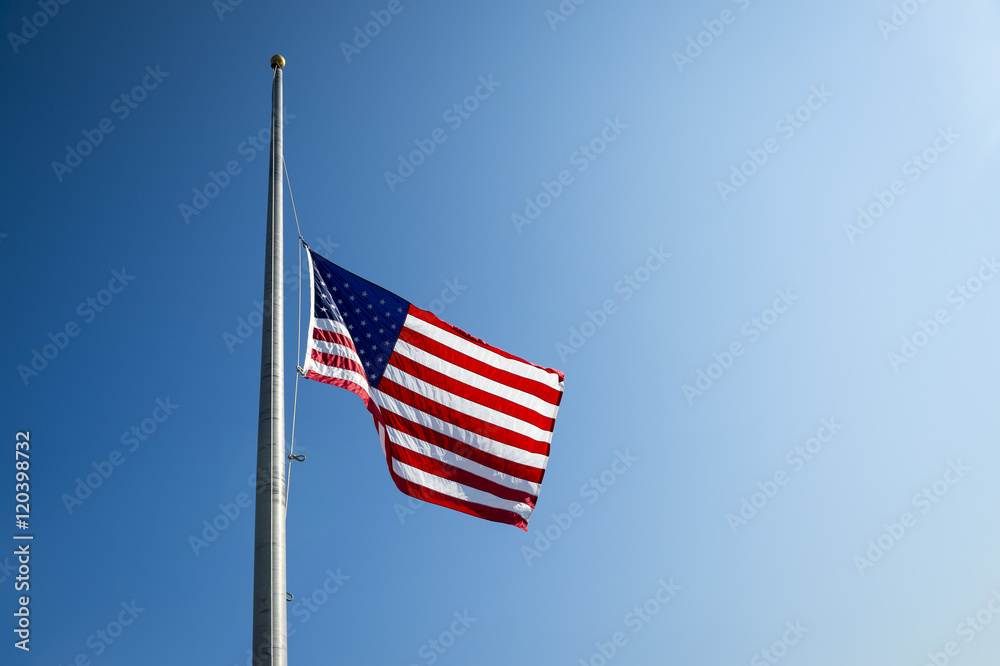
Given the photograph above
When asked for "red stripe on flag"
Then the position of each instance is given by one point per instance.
(455, 357)
(461, 420)
(476, 395)
(471, 508)
(432, 319)
(461, 476)
(338, 361)
(460, 448)
(332, 336)
(342, 383)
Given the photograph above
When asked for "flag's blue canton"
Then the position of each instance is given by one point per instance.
(373, 315)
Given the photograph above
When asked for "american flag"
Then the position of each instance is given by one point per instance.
(462, 424)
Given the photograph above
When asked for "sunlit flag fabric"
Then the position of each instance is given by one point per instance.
(463, 424)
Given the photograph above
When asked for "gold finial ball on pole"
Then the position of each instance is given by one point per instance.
(278, 61)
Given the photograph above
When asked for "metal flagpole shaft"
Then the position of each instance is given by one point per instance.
(270, 640)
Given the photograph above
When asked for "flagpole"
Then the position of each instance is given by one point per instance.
(270, 627)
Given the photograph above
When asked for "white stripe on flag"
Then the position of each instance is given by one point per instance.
(475, 380)
(431, 451)
(337, 373)
(457, 490)
(485, 355)
(333, 325)
(475, 440)
(336, 349)
(451, 401)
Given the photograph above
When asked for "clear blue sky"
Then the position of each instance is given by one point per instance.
(739, 138)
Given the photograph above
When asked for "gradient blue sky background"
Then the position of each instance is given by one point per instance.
(665, 517)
